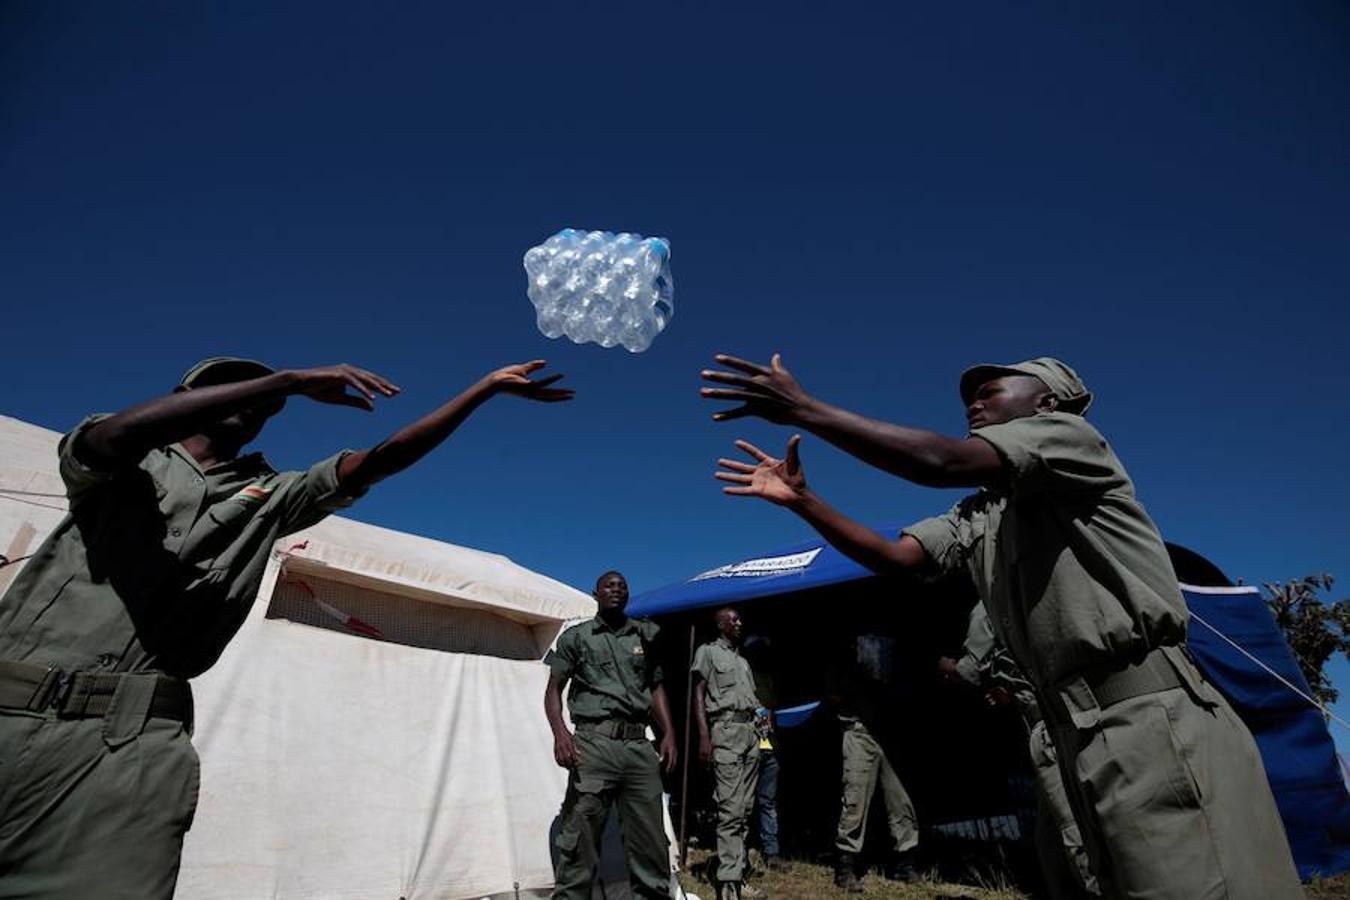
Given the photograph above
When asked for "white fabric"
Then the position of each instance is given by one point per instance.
(339, 767)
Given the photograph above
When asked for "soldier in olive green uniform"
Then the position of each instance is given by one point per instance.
(140, 588)
(616, 691)
(856, 682)
(1166, 782)
(724, 708)
(1059, 843)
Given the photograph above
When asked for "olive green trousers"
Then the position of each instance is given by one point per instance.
(613, 771)
(866, 768)
(735, 778)
(90, 810)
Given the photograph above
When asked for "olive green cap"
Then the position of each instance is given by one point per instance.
(1063, 382)
(224, 370)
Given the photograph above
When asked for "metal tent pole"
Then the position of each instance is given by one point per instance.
(684, 779)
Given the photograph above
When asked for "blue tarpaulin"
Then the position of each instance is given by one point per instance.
(1297, 750)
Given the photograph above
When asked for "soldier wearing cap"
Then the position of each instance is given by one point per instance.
(139, 589)
(1165, 781)
(616, 692)
(724, 710)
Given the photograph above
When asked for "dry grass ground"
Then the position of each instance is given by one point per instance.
(811, 881)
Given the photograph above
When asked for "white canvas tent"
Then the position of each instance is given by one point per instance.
(403, 753)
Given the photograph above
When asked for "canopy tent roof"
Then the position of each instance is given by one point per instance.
(799, 567)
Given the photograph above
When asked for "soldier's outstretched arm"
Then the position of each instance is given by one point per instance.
(783, 483)
(130, 434)
(924, 457)
(360, 470)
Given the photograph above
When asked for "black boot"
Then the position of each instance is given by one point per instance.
(901, 867)
(846, 873)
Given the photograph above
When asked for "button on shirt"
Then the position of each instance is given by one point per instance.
(157, 563)
(1070, 567)
(612, 671)
(731, 685)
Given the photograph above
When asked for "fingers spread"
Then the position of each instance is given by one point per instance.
(729, 394)
(734, 477)
(382, 384)
(743, 365)
(727, 415)
(355, 380)
(354, 400)
(736, 465)
(726, 378)
(755, 452)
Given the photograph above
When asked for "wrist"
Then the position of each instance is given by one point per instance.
(809, 412)
(291, 381)
(802, 502)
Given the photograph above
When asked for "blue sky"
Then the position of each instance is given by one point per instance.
(884, 193)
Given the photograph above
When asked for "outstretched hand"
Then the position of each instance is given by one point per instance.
(780, 481)
(516, 380)
(330, 384)
(769, 392)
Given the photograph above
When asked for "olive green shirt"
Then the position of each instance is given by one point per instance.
(1070, 567)
(612, 671)
(731, 685)
(157, 563)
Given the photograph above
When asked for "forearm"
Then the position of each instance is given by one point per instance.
(661, 708)
(410, 444)
(701, 713)
(855, 540)
(135, 431)
(553, 710)
(916, 454)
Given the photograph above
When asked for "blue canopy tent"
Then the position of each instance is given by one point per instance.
(1295, 745)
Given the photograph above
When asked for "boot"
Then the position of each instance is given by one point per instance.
(901, 868)
(846, 874)
(728, 890)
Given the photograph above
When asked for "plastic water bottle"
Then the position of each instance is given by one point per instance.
(602, 287)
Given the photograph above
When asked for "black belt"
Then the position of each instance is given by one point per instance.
(734, 715)
(620, 729)
(1149, 675)
(84, 695)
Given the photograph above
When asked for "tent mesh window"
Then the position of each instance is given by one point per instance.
(410, 621)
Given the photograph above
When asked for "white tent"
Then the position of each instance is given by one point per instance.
(376, 728)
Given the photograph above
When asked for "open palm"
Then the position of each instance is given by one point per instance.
(780, 481)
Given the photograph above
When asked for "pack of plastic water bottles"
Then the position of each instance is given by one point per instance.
(600, 287)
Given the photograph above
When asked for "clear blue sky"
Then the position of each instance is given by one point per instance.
(884, 192)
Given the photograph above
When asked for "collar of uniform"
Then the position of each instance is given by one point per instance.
(599, 624)
(726, 644)
(248, 464)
